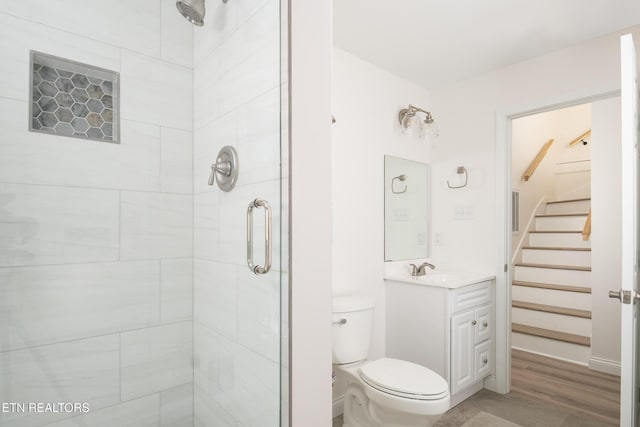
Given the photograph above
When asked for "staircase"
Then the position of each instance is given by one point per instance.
(551, 289)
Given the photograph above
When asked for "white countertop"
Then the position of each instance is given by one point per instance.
(442, 279)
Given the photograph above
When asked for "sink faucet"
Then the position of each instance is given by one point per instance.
(419, 270)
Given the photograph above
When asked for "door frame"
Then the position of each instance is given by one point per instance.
(503, 267)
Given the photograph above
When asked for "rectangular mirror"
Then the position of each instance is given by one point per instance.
(406, 209)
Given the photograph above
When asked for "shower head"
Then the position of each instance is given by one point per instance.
(193, 10)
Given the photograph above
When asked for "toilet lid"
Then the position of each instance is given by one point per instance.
(404, 379)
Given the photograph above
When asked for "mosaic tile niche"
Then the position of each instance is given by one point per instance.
(74, 99)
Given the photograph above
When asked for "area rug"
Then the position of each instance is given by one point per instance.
(483, 419)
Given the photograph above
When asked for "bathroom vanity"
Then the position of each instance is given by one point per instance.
(443, 321)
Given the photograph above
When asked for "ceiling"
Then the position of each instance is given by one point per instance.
(438, 42)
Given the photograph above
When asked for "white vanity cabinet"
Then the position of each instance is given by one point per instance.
(448, 330)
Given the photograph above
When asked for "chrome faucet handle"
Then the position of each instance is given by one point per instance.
(414, 269)
(426, 264)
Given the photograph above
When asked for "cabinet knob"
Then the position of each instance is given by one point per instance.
(485, 324)
(484, 361)
(474, 323)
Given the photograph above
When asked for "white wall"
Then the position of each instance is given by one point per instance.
(366, 102)
(96, 268)
(529, 134)
(467, 112)
(606, 233)
(310, 208)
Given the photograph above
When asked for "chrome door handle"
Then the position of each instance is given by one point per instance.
(259, 203)
(616, 295)
(625, 297)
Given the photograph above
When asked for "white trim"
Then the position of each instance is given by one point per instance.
(527, 229)
(490, 383)
(604, 365)
(338, 406)
(503, 231)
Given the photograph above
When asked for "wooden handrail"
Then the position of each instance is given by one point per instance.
(578, 139)
(586, 231)
(536, 162)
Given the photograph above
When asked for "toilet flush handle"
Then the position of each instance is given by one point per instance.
(340, 321)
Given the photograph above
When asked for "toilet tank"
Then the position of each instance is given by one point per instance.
(352, 328)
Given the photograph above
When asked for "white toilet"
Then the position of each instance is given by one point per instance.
(384, 392)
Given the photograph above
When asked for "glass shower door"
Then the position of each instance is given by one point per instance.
(237, 302)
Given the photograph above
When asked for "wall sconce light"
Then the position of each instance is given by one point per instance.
(412, 124)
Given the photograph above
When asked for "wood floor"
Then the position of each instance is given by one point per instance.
(574, 387)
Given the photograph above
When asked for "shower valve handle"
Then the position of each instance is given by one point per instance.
(223, 168)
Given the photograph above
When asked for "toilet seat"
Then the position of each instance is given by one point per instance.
(404, 379)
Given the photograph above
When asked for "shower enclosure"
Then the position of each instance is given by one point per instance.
(125, 294)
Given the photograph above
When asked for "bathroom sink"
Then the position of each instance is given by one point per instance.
(449, 279)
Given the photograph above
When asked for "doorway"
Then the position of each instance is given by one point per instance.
(605, 185)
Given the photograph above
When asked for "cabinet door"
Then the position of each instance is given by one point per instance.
(462, 351)
(484, 323)
(482, 361)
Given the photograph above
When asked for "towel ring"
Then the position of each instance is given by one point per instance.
(461, 170)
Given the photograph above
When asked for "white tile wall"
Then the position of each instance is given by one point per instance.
(206, 238)
(259, 138)
(243, 383)
(48, 304)
(259, 313)
(245, 66)
(156, 359)
(154, 91)
(176, 290)
(207, 141)
(39, 158)
(176, 407)
(143, 412)
(56, 225)
(155, 225)
(215, 296)
(132, 24)
(176, 161)
(220, 23)
(119, 217)
(176, 35)
(18, 36)
(76, 371)
(246, 9)
(208, 413)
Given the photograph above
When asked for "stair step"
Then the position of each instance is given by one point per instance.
(554, 335)
(571, 239)
(560, 222)
(585, 314)
(580, 289)
(539, 295)
(553, 274)
(551, 248)
(553, 266)
(535, 255)
(568, 206)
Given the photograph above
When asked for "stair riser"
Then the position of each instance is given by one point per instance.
(541, 256)
(576, 300)
(560, 223)
(552, 348)
(552, 321)
(558, 240)
(553, 276)
(569, 207)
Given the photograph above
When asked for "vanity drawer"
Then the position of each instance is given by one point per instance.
(470, 296)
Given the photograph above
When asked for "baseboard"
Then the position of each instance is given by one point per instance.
(604, 365)
(338, 406)
(491, 384)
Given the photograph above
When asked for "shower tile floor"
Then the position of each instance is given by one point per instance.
(514, 407)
